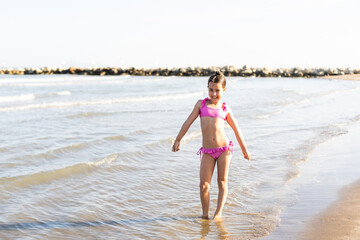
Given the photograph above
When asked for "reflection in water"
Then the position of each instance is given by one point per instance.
(205, 228)
(70, 224)
(222, 233)
(217, 226)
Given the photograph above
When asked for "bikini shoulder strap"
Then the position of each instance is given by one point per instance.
(204, 101)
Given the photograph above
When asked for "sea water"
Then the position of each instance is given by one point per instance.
(90, 157)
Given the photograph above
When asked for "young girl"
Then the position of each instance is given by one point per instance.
(217, 148)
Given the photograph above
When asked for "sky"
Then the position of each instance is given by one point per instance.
(160, 33)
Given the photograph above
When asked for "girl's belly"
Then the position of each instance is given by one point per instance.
(218, 139)
(213, 133)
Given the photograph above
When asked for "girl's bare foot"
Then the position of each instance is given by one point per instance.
(217, 216)
(205, 217)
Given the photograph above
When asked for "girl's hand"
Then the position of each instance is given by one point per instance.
(247, 155)
(176, 146)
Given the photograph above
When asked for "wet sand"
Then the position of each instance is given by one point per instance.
(354, 77)
(341, 220)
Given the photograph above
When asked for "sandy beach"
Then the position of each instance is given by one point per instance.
(341, 220)
(354, 77)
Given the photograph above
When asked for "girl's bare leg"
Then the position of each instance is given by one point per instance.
(206, 172)
(223, 163)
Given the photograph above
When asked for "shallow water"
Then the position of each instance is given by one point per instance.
(90, 157)
(332, 167)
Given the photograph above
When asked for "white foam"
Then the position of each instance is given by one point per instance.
(102, 102)
(63, 93)
(190, 136)
(53, 94)
(265, 116)
(71, 80)
(17, 98)
(107, 160)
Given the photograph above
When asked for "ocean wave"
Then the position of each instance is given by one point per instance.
(3, 149)
(355, 119)
(63, 93)
(32, 179)
(89, 114)
(102, 102)
(77, 80)
(149, 148)
(117, 137)
(291, 91)
(53, 94)
(138, 132)
(17, 98)
(352, 120)
(303, 151)
(191, 135)
(56, 152)
(99, 114)
(31, 96)
(42, 79)
(59, 152)
(265, 116)
(58, 83)
(301, 98)
(289, 101)
(188, 137)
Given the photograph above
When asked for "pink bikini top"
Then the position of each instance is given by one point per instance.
(206, 111)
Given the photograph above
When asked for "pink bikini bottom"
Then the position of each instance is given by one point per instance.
(216, 152)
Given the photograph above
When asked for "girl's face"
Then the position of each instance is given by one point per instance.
(215, 92)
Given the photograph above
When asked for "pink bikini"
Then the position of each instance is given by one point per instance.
(206, 111)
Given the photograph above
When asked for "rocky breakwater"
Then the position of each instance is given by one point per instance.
(190, 71)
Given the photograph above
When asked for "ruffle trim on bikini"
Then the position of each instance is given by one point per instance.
(214, 150)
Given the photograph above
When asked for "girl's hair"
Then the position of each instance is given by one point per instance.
(218, 77)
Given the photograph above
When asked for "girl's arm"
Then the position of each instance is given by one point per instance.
(185, 127)
(233, 124)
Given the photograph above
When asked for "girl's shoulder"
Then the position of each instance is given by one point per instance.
(199, 103)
